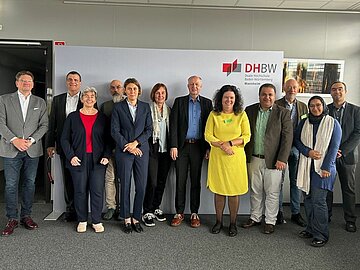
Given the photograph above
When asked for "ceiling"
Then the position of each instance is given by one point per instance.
(343, 6)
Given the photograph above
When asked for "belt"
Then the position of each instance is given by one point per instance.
(191, 141)
(259, 156)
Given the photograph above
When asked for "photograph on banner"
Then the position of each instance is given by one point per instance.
(314, 76)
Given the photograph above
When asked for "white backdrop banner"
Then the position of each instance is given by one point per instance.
(98, 66)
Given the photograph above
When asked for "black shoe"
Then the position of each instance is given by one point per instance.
(127, 228)
(232, 230)
(217, 228)
(318, 243)
(297, 219)
(280, 218)
(148, 219)
(159, 215)
(350, 226)
(305, 234)
(137, 227)
(70, 217)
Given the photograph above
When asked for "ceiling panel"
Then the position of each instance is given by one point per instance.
(303, 4)
(215, 2)
(259, 3)
(336, 5)
(175, 2)
(127, 1)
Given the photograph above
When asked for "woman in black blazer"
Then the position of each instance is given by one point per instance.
(131, 127)
(85, 142)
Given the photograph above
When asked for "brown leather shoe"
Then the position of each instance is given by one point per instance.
(250, 223)
(269, 228)
(176, 221)
(194, 220)
(28, 223)
(10, 227)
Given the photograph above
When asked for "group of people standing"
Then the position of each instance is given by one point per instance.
(246, 147)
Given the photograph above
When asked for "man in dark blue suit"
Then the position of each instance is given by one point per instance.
(61, 106)
(348, 116)
(188, 147)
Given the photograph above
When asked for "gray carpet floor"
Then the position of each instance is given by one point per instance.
(56, 245)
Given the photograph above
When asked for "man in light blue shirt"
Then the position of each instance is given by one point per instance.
(188, 147)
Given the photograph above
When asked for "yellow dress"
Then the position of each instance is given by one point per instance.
(227, 174)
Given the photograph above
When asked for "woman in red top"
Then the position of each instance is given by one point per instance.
(85, 141)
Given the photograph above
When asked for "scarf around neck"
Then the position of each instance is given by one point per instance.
(156, 115)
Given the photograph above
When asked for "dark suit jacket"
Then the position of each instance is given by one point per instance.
(179, 120)
(56, 122)
(124, 130)
(301, 108)
(73, 139)
(278, 134)
(350, 132)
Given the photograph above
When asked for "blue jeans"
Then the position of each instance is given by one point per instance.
(317, 213)
(295, 193)
(13, 167)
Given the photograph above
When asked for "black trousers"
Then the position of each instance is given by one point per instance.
(89, 180)
(346, 174)
(159, 165)
(68, 187)
(189, 157)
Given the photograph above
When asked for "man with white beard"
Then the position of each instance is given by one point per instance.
(116, 91)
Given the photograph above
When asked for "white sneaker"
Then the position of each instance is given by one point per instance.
(81, 227)
(98, 228)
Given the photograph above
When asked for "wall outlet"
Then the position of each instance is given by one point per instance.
(0, 27)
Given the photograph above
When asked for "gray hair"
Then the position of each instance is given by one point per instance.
(88, 89)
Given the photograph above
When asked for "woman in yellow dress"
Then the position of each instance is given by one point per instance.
(227, 131)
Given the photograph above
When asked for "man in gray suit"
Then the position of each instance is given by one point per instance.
(348, 116)
(267, 154)
(23, 122)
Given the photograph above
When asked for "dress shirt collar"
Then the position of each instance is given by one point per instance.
(77, 95)
(262, 110)
(22, 96)
(342, 106)
(197, 98)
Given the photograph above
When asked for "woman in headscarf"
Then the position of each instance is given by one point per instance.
(318, 139)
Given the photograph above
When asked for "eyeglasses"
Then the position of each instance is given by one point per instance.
(315, 105)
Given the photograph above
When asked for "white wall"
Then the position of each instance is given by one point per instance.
(299, 35)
